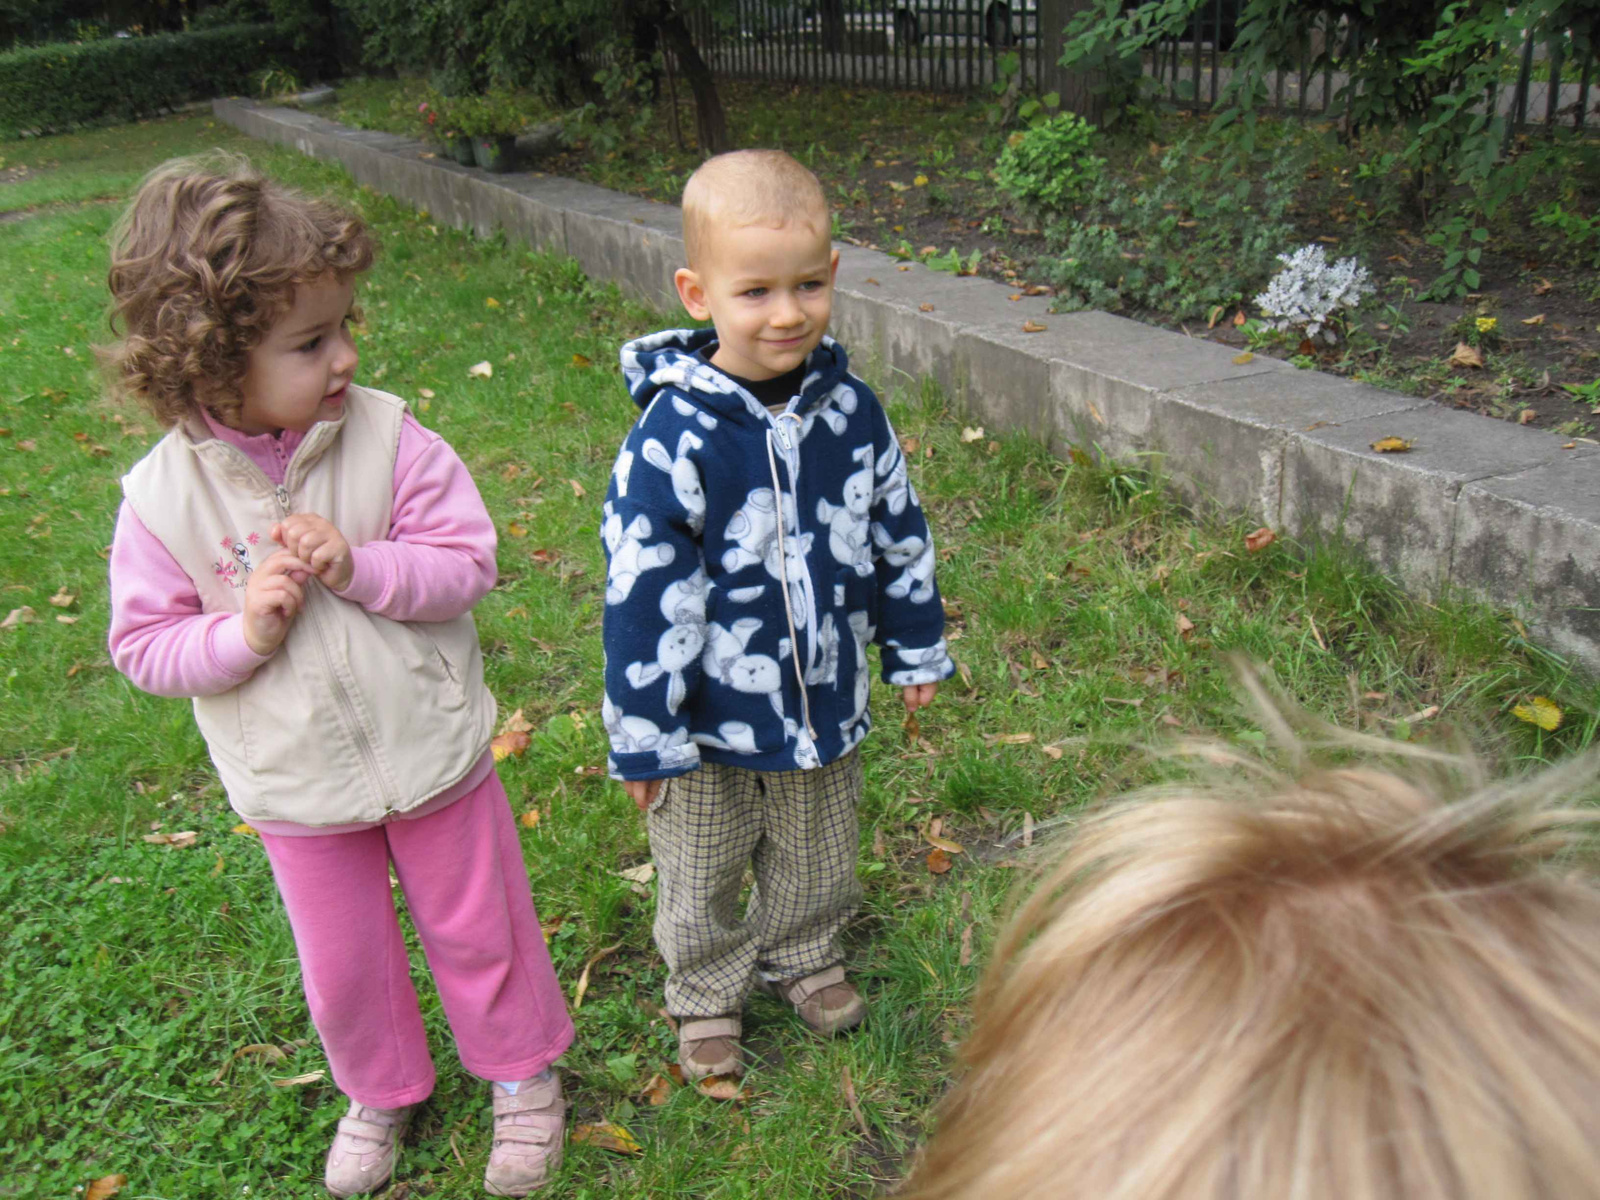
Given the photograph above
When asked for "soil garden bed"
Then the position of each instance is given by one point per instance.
(910, 173)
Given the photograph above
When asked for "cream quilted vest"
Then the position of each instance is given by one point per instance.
(356, 716)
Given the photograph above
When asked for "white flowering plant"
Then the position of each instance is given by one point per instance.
(1310, 293)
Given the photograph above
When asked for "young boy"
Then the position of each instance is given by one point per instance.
(760, 531)
(1343, 982)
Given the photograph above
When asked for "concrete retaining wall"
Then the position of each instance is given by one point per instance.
(1499, 510)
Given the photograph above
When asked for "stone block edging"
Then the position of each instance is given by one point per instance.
(1500, 511)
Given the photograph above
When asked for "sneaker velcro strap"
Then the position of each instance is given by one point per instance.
(801, 990)
(541, 1134)
(530, 1097)
(373, 1132)
(710, 1027)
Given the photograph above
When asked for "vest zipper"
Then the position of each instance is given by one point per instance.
(781, 434)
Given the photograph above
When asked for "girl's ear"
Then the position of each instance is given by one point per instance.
(692, 293)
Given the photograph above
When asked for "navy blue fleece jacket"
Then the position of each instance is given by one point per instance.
(733, 634)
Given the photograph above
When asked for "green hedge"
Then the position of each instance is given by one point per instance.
(44, 89)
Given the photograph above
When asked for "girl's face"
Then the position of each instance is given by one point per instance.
(297, 374)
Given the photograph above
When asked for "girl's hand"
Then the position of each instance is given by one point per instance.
(273, 597)
(918, 695)
(642, 791)
(314, 540)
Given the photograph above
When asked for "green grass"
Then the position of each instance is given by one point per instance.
(134, 972)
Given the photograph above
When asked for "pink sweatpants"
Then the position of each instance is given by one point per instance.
(465, 884)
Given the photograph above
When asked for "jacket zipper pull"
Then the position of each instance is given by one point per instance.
(283, 496)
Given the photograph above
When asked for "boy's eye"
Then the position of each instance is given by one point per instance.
(755, 293)
(312, 344)
(811, 285)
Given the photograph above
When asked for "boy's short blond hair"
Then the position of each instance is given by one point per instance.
(1318, 984)
(749, 187)
(203, 261)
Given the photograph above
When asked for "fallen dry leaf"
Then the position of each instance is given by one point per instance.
(300, 1080)
(723, 1087)
(657, 1092)
(246, 830)
(19, 616)
(1040, 289)
(965, 672)
(510, 745)
(516, 723)
(179, 840)
(1541, 711)
(63, 598)
(1543, 288)
(1027, 829)
(871, 280)
(930, 834)
(1009, 739)
(577, 488)
(912, 727)
(1052, 751)
(516, 529)
(27, 444)
(105, 1187)
(848, 1087)
(1243, 357)
(491, 302)
(966, 946)
(425, 393)
(1527, 416)
(608, 1136)
(1259, 539)
(582, 360)
(1537, 319)
(582, 989)
(530, 819)
(972, 433)
(1391, 445)
(643, 873)
(265, 1049)
(1014, 296)
(1185, 626)
(1033, 327)
(924, 307)
(64, 619)
(938, 861)
(1466, 356)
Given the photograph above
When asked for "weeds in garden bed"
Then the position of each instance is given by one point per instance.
(152, 1023)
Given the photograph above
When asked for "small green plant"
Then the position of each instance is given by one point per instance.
(952, 262)
(276, 82)
(1047, 169)
(1584, 393)
(496, 113)
(1477, 328)
(1575, 235)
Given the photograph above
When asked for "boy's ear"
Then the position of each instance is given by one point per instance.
(691, 293)
(833, 268)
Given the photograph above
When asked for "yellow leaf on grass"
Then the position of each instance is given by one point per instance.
(912, 727)
(1185, 626)
(425, 393)
(972, 433)
(509, 745)
(63, 598)
(723, 1087)
(608, 1136)
(941, 843)
(491, 302)
(1391, 445)
(1032, 327)
(577, 488)
(19, 616)
(247, 830)
(643, 873)
(178, 840)
(516, 530)
(1541, 711)
(920, 181)
(530, 819)
(482, 370)
(105, 1187)
(582, 360)
(1243, 357)
(938, 861)
(516, 723)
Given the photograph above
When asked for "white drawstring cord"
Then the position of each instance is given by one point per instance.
(783, 571)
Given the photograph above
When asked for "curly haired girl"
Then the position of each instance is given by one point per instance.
(301, 557)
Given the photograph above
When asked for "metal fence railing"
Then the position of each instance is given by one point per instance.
(961, 45)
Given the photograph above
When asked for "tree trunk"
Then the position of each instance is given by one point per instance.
(1081, 91)
(710, 123)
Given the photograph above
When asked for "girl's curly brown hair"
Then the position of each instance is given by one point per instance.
(203, 262)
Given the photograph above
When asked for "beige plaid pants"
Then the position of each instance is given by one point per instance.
(798, 832)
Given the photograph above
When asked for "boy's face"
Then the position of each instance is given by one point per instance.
(769, 292)
(297, 374)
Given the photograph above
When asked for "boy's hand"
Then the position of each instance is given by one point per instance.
(273, 597)
(918, 695)
(642, 791)
(315, 541)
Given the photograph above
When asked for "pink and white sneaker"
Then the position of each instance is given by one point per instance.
(361, 1159)
(529, 1132)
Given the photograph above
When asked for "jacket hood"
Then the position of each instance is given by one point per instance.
(670, 359)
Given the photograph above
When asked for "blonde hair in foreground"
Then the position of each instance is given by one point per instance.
(749, 187)
(1339, 983)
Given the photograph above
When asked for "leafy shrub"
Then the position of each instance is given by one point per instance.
(49, 88)
(1575, 235)
(1048, 167)
(1197, 238)
(495, 114)
(1309, 292)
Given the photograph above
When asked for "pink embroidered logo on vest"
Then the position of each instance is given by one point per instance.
(234, 569)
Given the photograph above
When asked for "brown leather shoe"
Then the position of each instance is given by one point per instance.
(826, 1001)
(710, 1046)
